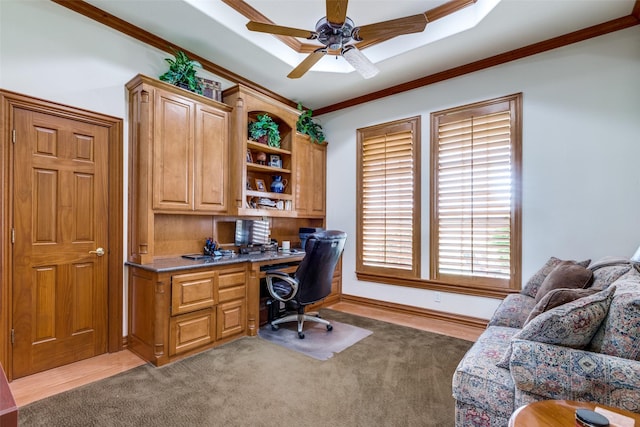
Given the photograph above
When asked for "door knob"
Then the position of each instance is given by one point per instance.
(98, 252)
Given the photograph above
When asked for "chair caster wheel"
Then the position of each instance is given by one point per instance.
(300, 335)
(275, 327)
(329, 328)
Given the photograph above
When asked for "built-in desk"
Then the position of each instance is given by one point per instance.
(179, 307)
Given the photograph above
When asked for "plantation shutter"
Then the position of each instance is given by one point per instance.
(474, 187)
(387, 201)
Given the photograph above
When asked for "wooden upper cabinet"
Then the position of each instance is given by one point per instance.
(311, 174)
(187, 140)
(173, 152)
(211, 152)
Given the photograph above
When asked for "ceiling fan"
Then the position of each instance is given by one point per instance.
(336, 32)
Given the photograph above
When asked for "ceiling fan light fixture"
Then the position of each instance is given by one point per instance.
(333, 36)
(359, 62)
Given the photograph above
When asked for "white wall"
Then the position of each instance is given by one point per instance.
(581, 152)
(580, 184)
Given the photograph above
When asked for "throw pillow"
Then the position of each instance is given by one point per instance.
(558, 297)
(604, 276)
(569, 325)
(566, 274)
(533, 284)
(618, 335)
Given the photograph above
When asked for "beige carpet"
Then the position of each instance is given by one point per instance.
(396, 376)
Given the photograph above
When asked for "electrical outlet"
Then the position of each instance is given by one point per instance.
(438, 297)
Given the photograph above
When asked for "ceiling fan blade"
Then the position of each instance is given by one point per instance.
(360, 62)
(308, 62)
(391, 28)
(283, 31)
(337, 11)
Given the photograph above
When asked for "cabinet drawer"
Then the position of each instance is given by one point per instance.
(232, 318)
(229, 294)
(191, 331)
(232, 277)
(193, 291)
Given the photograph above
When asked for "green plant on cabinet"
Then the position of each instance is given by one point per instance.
(265, 129)
(306, 125)
(182, 72)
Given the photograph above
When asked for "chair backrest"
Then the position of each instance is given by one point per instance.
(315, 272)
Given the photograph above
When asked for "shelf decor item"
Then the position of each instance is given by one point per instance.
(210, 88)
(261, 158)
(265, 130)
(308, 126)
(260, 185)
(275, 161)
(278, 184)
(182, 72)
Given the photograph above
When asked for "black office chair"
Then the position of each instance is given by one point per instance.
(311, 282)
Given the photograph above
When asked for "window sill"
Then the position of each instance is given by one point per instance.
(489, 292)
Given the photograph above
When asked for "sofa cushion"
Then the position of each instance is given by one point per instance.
(619, 333)
(606, 275)
(566, 274)
(556, 298)
(570, 325)
(513, 311)
(533, 284)
(478, 382)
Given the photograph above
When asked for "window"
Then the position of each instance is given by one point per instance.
(475, 194)
(388, 241)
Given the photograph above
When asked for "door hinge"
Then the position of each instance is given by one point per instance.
(13, 336)
(13, 136)
(13, 235)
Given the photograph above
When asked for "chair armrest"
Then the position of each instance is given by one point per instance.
(555, 372)
(279, 277)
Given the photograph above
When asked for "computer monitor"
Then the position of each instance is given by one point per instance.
(252, 232)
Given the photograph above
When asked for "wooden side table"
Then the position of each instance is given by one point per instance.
(559, 413)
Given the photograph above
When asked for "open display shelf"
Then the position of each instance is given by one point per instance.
(264, 163)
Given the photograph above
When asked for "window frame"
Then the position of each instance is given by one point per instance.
(473, 284)
(367, 272)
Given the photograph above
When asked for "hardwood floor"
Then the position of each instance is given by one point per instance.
(47, 383)
(423, 323)
(44, 384)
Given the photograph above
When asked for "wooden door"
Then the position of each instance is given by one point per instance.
(211, 159)
(60, 221)
(173, 152)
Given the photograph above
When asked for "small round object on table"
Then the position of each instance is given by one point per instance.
(588, 418)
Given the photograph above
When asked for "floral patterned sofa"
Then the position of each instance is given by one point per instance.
(587, 347)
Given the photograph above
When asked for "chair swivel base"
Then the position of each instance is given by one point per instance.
(300, 318)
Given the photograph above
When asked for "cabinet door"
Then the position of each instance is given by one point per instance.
(211, 160)
(311, 161)
(173, 152)
(232, 318)
(192, 330)
(319, 174)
